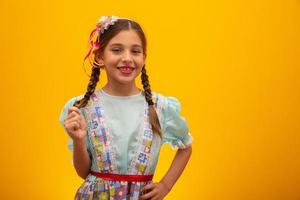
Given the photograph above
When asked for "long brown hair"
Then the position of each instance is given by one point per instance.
(105, 37)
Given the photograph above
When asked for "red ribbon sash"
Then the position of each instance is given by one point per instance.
(123, 177)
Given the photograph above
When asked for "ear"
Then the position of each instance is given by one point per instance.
(99, 59)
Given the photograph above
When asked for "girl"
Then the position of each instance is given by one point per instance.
(117, 131)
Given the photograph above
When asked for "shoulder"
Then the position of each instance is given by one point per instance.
(68, 104)
(158, 98)
(166, 102)
(72, 100)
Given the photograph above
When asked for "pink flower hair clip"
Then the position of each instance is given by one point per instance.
(106, 21)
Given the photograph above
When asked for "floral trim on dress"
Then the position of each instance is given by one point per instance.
(99, 135)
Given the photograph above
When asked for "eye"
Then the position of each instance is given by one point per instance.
(116, 50)
(136, 51)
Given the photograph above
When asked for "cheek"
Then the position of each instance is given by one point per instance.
(113, 60)
(140, 62)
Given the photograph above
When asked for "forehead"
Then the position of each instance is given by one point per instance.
(126, 38)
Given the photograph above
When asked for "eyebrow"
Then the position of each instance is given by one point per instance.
(119, 44)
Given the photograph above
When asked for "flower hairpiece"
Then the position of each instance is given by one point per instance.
(105, 21)
(102, 24)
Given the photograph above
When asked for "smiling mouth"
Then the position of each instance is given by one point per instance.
(126, 70)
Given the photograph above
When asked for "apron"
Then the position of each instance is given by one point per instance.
(103, 154)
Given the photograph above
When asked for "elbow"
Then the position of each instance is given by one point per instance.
(82, 168)
(187, 150)
(82, 171)
(82, 175)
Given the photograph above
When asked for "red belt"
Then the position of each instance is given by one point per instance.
(123, 177)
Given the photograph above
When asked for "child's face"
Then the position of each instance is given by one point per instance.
(123, 57)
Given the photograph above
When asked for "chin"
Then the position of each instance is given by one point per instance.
(125, 81)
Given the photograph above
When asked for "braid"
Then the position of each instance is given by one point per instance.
(90, 88)
(153, 118)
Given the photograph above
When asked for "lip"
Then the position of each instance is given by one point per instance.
(125, 72)
(126, 66)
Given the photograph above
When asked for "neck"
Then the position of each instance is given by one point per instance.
(120, 89)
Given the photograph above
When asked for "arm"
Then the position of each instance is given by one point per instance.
(75, 126)
(160, 190)
(179, 162)
(81, 159)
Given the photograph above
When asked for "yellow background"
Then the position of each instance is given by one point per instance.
(234, 66)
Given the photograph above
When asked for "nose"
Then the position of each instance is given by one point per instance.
(127, 57)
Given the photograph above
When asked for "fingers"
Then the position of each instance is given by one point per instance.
(148, 187)
(148, 195)
(73, 112)
(73, 108)
(153, 191)
(72, 125)
(149, 191)
(74, 119)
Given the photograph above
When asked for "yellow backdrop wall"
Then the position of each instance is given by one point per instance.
(234, 66)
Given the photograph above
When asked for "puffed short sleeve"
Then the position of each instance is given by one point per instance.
(63, 115)
(175, 128)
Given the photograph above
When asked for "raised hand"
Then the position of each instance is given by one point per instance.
(75, 124)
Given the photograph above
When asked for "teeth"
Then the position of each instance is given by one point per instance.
(126, 69)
